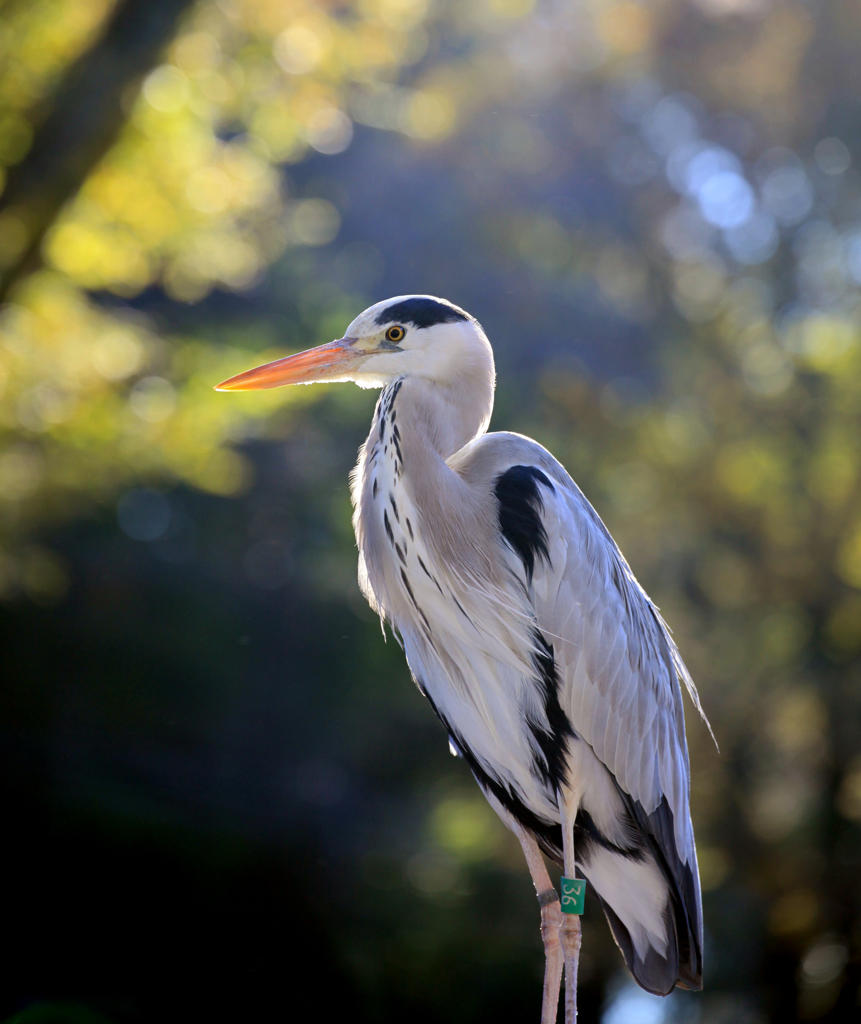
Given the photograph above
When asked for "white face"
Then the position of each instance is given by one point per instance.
(416, 335)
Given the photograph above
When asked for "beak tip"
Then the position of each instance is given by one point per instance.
(302, 368)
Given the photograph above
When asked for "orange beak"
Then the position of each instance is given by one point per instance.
(327, 362)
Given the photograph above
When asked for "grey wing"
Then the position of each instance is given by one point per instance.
(619, 675)
(620, 678)
(619, 668)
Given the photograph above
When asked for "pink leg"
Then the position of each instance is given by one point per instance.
(551, 915)
(569, 933)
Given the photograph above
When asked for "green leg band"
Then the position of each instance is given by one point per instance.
(573, 895)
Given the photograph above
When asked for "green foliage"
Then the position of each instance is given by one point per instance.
(57, 1013)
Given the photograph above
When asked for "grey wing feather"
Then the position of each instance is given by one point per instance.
(619, 666)
(620, 671)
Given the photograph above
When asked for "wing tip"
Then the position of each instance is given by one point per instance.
(656, 973)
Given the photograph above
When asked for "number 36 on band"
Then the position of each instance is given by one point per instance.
(573, 895)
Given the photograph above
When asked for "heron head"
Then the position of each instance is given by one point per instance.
(410, 335)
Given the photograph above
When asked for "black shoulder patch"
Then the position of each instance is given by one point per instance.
(421, 311)
(520, 508)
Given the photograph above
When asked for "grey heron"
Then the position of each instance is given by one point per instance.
(550, 668)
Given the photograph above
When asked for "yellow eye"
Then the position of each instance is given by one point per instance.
(395, 334)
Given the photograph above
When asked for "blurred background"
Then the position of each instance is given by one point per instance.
(223, 797)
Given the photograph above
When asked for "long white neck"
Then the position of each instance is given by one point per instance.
(417, 426)
(442, 417)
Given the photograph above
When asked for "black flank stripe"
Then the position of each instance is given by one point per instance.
(549, 835)
(388, 527)
(551, 769)
(588, 832)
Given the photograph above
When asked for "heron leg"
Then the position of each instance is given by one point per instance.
(551, 915)
(551, 922)
(569, 933)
